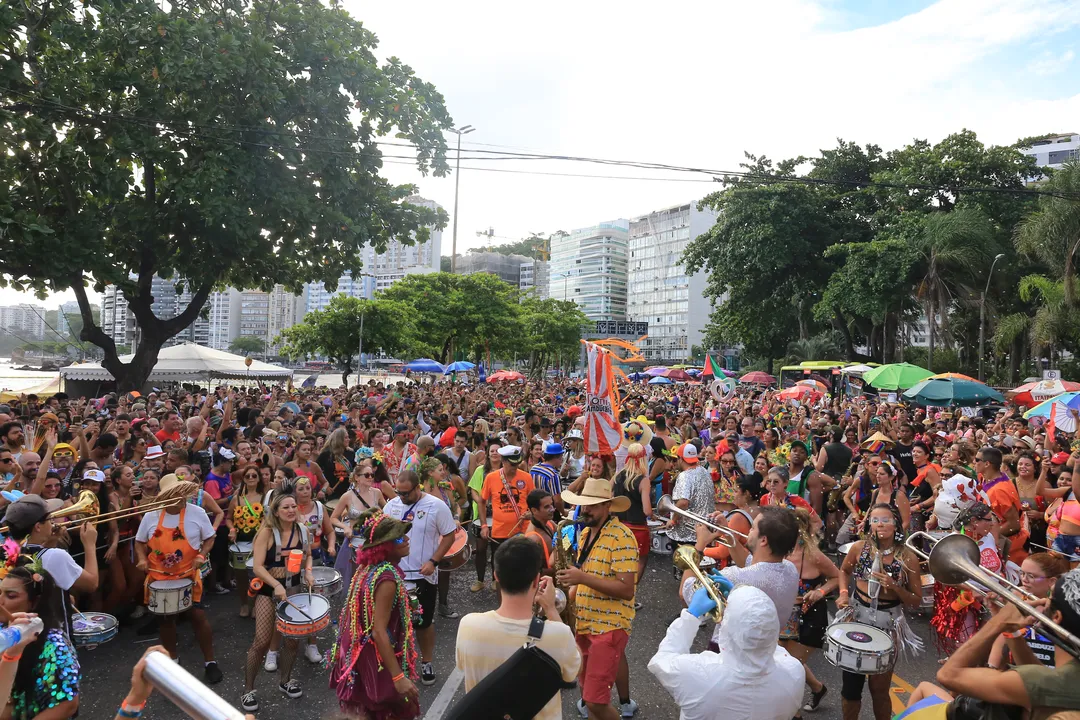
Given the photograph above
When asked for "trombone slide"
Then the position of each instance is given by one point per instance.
(667, 506)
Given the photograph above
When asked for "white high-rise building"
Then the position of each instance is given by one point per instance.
(659, 290)
(63, 327)
(589, 266)
(533, 278)
(317, 297)
(1053, 151)
(24, 320)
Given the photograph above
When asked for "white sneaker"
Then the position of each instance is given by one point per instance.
(311, 652)
(627, 709)
(271, 661)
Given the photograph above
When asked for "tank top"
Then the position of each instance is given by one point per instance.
(545, 543)
(635, 515)
(837, 459)
(312, 520)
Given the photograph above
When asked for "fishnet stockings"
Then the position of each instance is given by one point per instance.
(265, 621)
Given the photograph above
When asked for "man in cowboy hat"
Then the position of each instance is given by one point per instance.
(172, 543)
(604, 578)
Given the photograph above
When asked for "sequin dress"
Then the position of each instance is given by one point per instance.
(56, 679)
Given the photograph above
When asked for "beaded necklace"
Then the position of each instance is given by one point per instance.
(358, 626)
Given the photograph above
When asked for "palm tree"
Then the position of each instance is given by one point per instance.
(951, 245)
(1051, 328)
(1052, 232)
(819, 347)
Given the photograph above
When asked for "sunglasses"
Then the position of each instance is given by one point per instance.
(366, 474)
(403, 493)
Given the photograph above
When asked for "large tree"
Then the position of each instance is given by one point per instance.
(228, 143)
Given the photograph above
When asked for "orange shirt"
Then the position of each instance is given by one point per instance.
(507, 520)
(1003, 496)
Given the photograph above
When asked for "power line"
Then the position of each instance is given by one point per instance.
(716, 175)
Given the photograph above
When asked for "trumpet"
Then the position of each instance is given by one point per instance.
(954, 560)
(687, 558)
(666, 506)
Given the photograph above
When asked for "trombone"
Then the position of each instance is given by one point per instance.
(667, 506)
(87, 504)
(954, 560)
(100, 517)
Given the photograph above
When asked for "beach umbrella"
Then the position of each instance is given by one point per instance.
(856, 369)
(676, 374)
(425, 365)
(955, 376)
(816, 384)
(1034, 393)
(896, 376)
(758, 377)
(694, 372)
(946, 392)
(636, 376)
(459, 366)
(800, 392)
(505, 376)
(656, 371)
(1065, 400)
(661, 380)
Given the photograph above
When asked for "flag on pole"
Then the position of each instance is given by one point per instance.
(602, 431)
(712, 367)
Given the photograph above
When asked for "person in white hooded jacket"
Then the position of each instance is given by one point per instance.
(751, 678)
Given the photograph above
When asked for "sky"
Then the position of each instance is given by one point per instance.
(700, 83)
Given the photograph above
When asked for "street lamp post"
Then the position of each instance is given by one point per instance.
(982, 315)
(457, 181)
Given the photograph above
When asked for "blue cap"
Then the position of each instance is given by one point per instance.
(553, 449)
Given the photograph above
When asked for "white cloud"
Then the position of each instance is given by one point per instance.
(1049, 63)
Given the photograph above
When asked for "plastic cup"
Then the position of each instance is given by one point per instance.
(292, 563)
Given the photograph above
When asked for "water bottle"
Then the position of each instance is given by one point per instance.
(11, 635)
(873, 587)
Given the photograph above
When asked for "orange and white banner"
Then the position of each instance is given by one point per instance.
(602, 431)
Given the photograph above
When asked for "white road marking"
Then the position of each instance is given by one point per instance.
(445, 696)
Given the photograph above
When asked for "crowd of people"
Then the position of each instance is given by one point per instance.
(264, 492)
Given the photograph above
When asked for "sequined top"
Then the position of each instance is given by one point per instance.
(893, 568)
(56, 679)
(694, 485)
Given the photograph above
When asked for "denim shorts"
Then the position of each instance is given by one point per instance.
(1068, 544)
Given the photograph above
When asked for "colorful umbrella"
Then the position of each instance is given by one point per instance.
(856, 369)
(955, 376)
(676, 374)
(944, 392)
(505, 376)
(896, 376)
(656, 371)
(459, 366)
(661, 380)
(1069, 400)
(758, 377)
(816, 384)
(636, 376)
(425, 365)
(1034, 393)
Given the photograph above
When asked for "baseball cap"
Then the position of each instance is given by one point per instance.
(26, 512)
(1060, 458)
(687, 453)
(93, 475)
(400, 428)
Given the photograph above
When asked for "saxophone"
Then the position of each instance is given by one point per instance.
(564, 596)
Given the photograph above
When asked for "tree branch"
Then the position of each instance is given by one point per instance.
(174, 325)
(91, 332)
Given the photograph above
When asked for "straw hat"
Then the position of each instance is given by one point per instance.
(596, 491)
(171, 487)
(876, 439)
(636, 431)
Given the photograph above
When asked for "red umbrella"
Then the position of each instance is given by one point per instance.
(800, 392)
(676, 374)
(1033, 393)
(505, 376)
(758, 378)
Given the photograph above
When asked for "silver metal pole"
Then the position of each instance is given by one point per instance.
(360, 354)
(187, 692)
(457, 182)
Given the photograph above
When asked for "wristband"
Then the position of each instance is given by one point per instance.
(843, 592)
(1014, 635)
(11, 658)
(399, 676)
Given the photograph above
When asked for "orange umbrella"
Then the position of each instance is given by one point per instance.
(955, 376)
(799, 392)
(816, 384)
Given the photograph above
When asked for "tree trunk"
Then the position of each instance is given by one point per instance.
(1015, 357)
(840, 323)
(930, 329)
(770, 366)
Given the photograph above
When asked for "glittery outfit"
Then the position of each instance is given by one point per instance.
(694, 485)
(56, 679)
(889, 615)
(362, 683)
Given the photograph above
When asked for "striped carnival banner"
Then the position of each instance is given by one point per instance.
(601, 412)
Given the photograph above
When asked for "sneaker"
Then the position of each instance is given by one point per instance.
(291, 689)
(582, 710)
(477, 586)
(815, 700)
(627, 709)
(446, 612)
(221, 590)
(311, 652)
(249, 702)
(271, 661)
(212, 674)
(637, 606)
(427, 673)
(138, 612)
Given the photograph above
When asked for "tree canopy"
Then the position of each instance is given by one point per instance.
(232, 143)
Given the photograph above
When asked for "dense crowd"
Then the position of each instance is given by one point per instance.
(271, 492)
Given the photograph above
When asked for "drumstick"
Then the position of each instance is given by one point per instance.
(297, 609)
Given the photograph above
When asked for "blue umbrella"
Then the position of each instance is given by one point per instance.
(425, 365)
(661, 381)
(636, 376)
(1069, 400)
(459, 366)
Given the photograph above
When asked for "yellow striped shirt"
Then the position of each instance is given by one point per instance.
(615, 552)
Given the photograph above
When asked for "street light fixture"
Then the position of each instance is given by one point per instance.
(982, 315)
(457, 181)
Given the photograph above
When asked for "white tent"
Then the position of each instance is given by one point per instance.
(187, 362)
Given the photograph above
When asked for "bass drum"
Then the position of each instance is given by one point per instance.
(459, 553)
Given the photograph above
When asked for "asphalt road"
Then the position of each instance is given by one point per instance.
(107, 669)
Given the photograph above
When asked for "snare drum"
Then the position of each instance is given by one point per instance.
(459, 553)
(707, 564)
(170, 597)
(661, 544)
(291, 620)
(204, 569)
(239, 553)
(927, 602)
(859, 648)
(327, 581)
(93, 629)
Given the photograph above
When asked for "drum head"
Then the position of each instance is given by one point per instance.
(845, 548)
(250, 563)
(314, 605)
(92, 622)
(240, 547)
(173, 584)
(707, 562)
(860, 636)
(325, 575)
